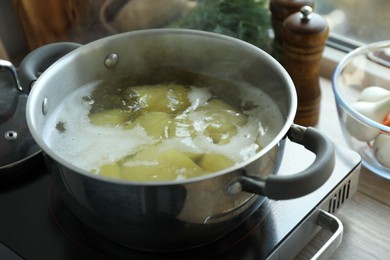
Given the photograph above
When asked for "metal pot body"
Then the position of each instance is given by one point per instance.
(169, 215)
(155, 217)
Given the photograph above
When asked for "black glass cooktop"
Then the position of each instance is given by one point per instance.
(35, 224)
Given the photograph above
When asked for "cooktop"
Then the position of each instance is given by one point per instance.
(35, 224)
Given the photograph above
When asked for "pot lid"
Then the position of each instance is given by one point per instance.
(18, 149)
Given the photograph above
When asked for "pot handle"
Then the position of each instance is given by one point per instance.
(292, 186)
(8, 66)
(37, 61)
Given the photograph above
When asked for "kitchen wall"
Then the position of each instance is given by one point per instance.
(10, 32)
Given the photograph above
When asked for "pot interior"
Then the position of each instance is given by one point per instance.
(188, 57)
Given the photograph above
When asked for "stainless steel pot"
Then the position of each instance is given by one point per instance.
(182, 214)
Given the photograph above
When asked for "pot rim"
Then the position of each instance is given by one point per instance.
(32, 102)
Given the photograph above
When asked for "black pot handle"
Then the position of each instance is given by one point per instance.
(8, 66)
(292, 186)
(36, 62)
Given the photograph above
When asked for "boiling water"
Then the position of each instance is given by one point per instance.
(70, 134)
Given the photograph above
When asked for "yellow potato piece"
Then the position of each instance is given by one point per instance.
(154, 164)
(110, 170)
(181, 127)
(222, 113)
(149, 153)
(156, 124)
(195, 157)
(213, 162)
(168, 98)
(112, 117)
(222, 120)
(177, 159)
(221, 133)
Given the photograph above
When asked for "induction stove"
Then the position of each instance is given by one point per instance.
(36, 224)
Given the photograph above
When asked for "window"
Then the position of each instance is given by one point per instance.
(352, 22)
(355, 22)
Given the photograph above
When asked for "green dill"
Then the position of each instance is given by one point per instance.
(248, 20)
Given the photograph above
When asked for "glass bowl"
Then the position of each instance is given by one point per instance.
(361, 86)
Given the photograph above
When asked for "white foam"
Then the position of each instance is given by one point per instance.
(198, 96)
(85, 145)
(239, 148)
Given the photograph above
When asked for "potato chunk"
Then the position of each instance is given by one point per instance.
(156, 124)
(181, 127)
(110, 170)
(223, 113)
(177, 159)
(212, 162)
(112, 117)
(168, 98)
(222, 121)
(154, 164)
(221, 133)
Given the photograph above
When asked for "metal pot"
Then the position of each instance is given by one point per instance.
(171, 215)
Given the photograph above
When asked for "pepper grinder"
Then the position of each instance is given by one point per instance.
(304, 36)
(280, 10)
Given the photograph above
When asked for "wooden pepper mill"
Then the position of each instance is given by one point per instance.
(304, 36)
(280, 10)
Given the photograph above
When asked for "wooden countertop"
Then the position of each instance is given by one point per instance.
(366, 216)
